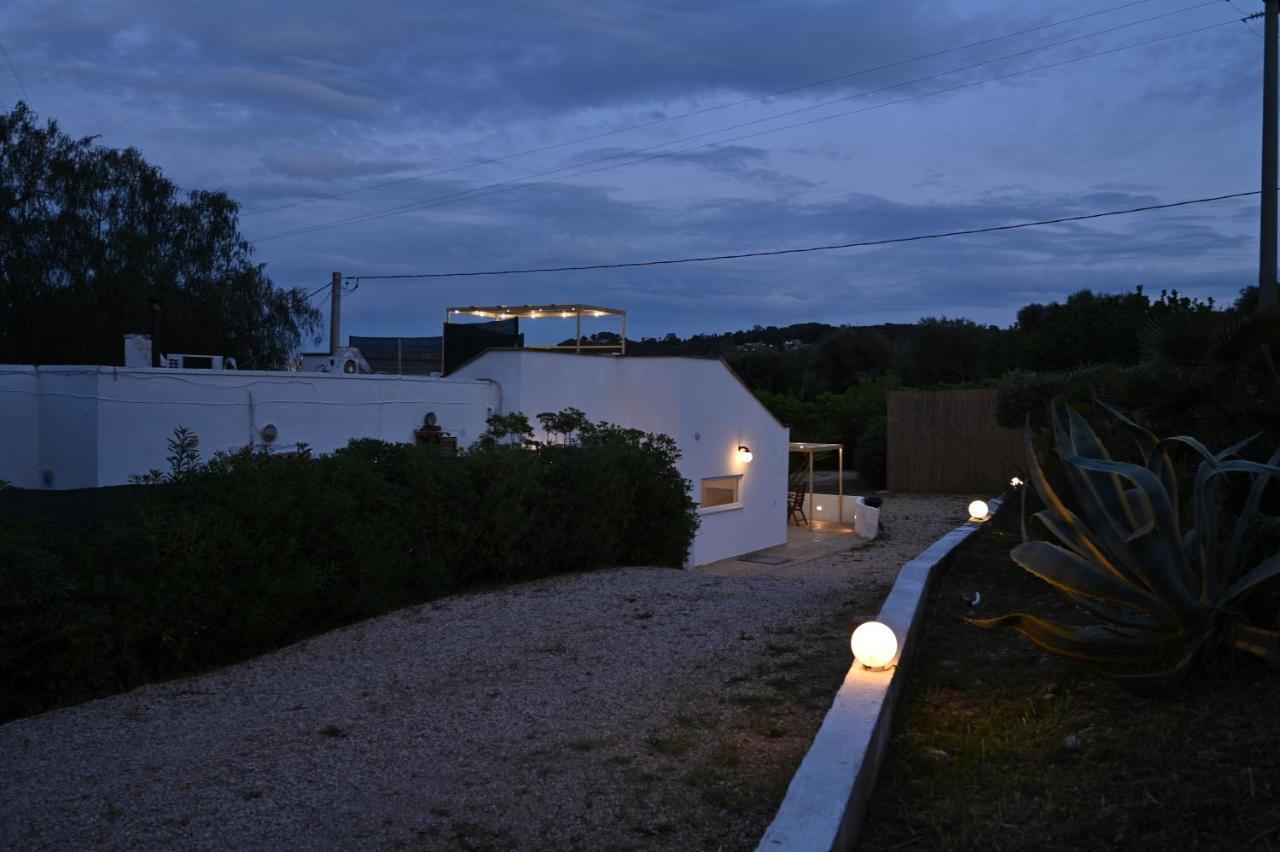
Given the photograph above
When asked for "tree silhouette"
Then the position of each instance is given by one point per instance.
(88, 234)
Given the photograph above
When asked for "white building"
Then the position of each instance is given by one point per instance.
(699, 402)
(82, 427)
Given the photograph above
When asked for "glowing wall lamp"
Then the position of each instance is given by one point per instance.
(744, 454)
(979, 511)
(874, 645)
(1015, 482)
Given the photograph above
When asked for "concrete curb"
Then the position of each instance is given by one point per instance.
(828, 796)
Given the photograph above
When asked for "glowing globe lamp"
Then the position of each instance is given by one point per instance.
(744, 454)
(874, 645)
(978, 511)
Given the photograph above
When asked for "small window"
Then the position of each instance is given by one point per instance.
(720, 491)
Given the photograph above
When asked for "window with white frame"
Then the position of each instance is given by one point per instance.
(721, 492)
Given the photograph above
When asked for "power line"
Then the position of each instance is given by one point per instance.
(313, 293)
(506, 186)
(1247, 18)
(346, 290)
(807, 249)
(14, 69)
(702, 111)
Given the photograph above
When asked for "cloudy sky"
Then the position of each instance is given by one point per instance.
(380, 137)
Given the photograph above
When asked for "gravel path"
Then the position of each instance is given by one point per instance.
(500, 719)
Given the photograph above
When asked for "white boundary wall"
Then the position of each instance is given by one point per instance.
(83, 427)
(827, 798)
(698, 402)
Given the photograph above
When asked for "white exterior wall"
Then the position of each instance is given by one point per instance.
(94, 426)
(698, 402)
(19, 426)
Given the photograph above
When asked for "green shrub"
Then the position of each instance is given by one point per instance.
(871, 454)
(249, 551)
(1022, 394)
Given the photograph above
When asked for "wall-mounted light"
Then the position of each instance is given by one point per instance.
(1015, 482)
(744, 454)
(979, 511)
(874, 645)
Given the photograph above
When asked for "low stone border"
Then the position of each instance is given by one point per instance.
(828, 795)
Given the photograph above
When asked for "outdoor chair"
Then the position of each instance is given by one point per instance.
(795, 507)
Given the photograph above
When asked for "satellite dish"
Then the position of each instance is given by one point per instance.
(429, 420)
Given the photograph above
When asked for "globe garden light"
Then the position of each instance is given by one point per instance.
(744, 454)
(874, 645)
(979, 511)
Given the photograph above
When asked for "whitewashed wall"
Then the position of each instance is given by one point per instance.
(19, 426)
(698, 402)
(90, 426)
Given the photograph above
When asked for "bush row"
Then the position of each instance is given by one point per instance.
(249, 552)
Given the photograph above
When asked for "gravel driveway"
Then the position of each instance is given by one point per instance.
(514, 718)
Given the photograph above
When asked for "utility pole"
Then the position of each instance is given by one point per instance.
(335, 307)
(1270, 140)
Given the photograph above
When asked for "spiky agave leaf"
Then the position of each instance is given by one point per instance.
(1149, 446)
(1063, 520)
(1256, 641)
(1082, 643)
(1267, 569)
(1124, 559)
(1156, 557)
(1099, 495)
(1066, 571)
(1235, 550)
(1128, 620)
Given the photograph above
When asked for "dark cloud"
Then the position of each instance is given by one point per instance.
(293, 103)
(328, 166)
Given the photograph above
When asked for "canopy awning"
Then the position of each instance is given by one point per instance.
(809, 449)
(574, 312)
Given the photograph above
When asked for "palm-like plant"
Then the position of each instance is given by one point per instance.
(1162, 587)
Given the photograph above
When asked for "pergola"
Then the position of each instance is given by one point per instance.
(809, 449)
(502, 312)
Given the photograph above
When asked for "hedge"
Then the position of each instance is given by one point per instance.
(1021, 394)
(250, 552)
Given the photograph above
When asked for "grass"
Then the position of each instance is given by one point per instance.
(734, 757)
(1000, 746)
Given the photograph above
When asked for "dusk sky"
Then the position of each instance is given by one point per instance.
(287, 102)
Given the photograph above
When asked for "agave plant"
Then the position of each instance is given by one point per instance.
(1160, 586)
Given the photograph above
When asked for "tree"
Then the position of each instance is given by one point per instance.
(845, 355)
(88, 234)
(946, 351)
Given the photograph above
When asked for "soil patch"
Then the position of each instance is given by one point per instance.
(1000, 746)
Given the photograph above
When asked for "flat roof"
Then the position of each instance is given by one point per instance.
(534, 311)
